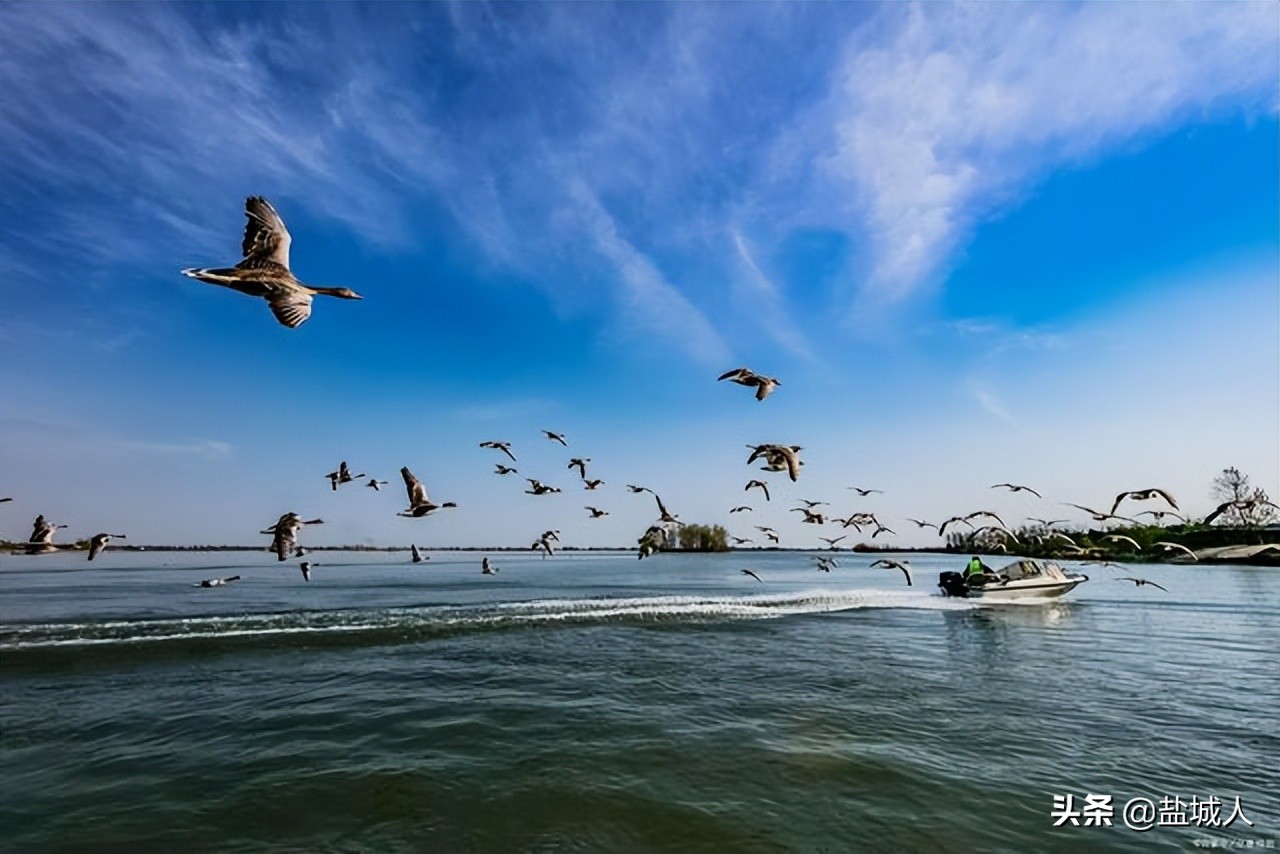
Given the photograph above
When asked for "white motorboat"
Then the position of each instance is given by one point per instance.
(1023, 579)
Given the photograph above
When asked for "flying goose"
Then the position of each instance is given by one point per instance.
(1097, 515)
(741, 508)
(216, 582)
(920, 523)
(342, 475)
(555, 437)
(285, 532)
(810, 517)
(99, 542)
(652, 541)
(537, 487)
(505, 447)
(580, 464)
(778, 458)
(305, 568)
(663, 513)
(764, 386)
(264, 272)
(763, 487)
(486, 569)
(831, 541)
(631, 487)
(414, 554)
(419, 503)
(499, 468)
(376, 484)
(596, 512)
(865, 492)
(753, 575)
(904, 565)
(1138, 582)
(592, 484)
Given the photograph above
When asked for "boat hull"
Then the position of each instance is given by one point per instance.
(1024, 579)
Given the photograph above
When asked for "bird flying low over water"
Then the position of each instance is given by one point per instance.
(1121, 538)
(1138, 582)
(764, 386)
(505, 447)
(414, 554)
(753, 575)
(1098, 516)
(264, 272)
(1243, 504)
(1144, 495)
(305, 569)
(99, 542)
(419, 503)
(486, 569)
(1175, 547)
(1014, 487)
(216, 582)
(286, 531)
(904, 565)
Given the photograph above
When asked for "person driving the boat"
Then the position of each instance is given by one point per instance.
(977, 572)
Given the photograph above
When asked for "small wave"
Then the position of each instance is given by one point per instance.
(423, 622)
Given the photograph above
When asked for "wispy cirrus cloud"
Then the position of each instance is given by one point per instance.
(942, 113)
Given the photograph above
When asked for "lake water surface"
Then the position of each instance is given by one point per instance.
(594, 702)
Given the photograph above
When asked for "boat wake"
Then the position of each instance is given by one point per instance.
(399, 625)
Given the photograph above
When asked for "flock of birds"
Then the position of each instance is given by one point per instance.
(264, 272)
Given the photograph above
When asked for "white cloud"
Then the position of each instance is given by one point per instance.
(944, 112)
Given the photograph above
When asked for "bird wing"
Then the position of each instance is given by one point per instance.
(417, 492)
(734, 374)
(266, 240)
(291, 306)
(1167, 497)
(96, 545)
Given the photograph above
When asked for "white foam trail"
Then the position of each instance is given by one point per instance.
(538, 611)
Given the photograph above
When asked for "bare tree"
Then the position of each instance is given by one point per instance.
(1242, 504)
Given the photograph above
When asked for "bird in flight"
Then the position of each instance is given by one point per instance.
(264, 271)
(1144, 495)
(305, 568)
(537, 487)
(555, 437)
(596, 512)
(831, 541)
(99, 542)
(865, 492)
(764, 386)
(580, 464)
(341, 476)
(592, 484)
(285, 533)
(1121, 538)
(1015, 487)
(375, 484)
(633, 488)
(922, 524)
(763, 487)
(1097, 515)
(753, 575)
(499, 468)
(414, 554)
(505, 447)
(1175, 547)
(216, 582)
(486, 569)
(741, 508)
(419, 504)
(1141, 581)
(904, 565)
(777, 458)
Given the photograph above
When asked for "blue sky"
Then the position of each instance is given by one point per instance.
(977, 243)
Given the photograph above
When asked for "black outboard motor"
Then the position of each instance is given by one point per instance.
(952, 584)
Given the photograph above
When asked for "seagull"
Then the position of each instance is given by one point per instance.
(419, 503)
(305, 567)
(596, 513)
(216, 582)
(865, 492)
(581, 465)
(762, 486)
(741, 508)
(1176, 547)
(1141, 581)
(904, 565)
(99, 542)
(592, 484)
(375, 484)
(1143, 495)
(505, 447)
(555, 437)
(415, 555)
(753, 575)
(341, 476)
(486, 569)
(499, 468)
(744, 376)
(1122, 538)
(537, 487)
(264, 272)
(1014, 487)
(1097, 515)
